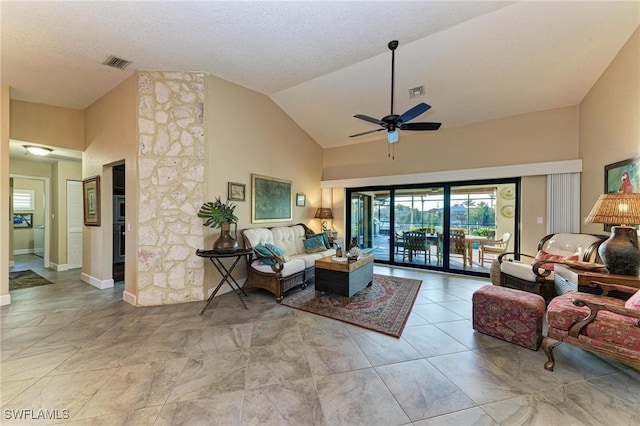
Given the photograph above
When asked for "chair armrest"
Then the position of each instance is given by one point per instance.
(606, 288)
(594, 308)
(512, 253)
(276, 266)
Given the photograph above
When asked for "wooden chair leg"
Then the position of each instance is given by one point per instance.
(548, 344)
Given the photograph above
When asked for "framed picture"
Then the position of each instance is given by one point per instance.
(236, 191)
(91, 201)
(301, 200)
(623, 176)
(270, 199)
(23, 220)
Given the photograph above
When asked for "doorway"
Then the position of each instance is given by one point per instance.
(119, 222)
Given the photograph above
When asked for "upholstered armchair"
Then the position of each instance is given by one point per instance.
(535, 273)
(598, 323)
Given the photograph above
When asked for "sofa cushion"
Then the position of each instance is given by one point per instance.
(257, 236)
(524, 271)
(633, 303)
(567, 244)
(288, 238)
(314, 244)
(291, 267)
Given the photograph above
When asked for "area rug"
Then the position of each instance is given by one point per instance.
(384, 307)
(25, 279)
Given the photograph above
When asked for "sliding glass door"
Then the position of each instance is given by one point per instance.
(442, 226)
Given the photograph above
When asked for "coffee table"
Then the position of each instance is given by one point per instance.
(343, 278)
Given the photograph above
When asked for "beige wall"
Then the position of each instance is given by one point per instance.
(610, 123)
(248, 133)
(513, 140)
(46, 124)
(5, 217)
(111, 137)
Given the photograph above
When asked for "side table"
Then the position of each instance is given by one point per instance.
(216, 259)
(567, 279)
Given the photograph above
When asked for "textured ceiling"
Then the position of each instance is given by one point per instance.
(322, 62)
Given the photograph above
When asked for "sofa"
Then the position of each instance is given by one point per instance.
(289, 263)
(598, 323)
(535, 273)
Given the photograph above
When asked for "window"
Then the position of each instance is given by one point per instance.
(23, 200)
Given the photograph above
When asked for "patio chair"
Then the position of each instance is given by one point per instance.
(498, 247)
(457, 245)
(415, 242)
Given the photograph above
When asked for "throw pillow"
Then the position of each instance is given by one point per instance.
(543, 255)
(314, 244)
(264, 254)
(325, 240)
(278, 252)
(633, 303)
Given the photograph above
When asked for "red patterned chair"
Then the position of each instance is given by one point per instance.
(511, 315)
(597, 323)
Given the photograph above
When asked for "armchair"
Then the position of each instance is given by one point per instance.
(597, 323)
(498, 247)
(536, 275)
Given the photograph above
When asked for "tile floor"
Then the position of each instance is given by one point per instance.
(84, 356)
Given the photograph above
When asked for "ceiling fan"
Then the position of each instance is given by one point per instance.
(392, 122)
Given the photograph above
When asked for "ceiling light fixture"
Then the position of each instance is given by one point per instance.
(38, 150)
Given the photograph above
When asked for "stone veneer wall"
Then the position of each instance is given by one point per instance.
(171, 161)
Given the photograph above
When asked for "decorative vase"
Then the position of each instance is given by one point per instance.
(620, 252)
(226, 243)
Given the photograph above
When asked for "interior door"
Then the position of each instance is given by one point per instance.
(74, 224)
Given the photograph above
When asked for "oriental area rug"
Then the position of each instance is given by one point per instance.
(25, 279)
(384, 307)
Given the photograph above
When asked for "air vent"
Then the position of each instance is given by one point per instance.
(416, 91)
(115, 62)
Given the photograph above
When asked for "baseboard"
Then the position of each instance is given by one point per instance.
(130, 298)
(22, 251)
(96, 282)
(58, 268)
(5, 299)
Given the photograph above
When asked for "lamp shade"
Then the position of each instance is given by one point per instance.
(323, 213)
(619, 253)
(616, 209)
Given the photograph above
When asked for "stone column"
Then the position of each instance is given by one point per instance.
(171, 161)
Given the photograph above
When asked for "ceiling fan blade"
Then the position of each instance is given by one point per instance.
(365, 133)
(370, 119)
(420, 126)
(414, 112)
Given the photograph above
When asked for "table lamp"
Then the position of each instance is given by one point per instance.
(323, 214)
(619, 252)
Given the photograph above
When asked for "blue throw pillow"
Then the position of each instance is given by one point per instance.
(261, 252)
(278, 252)
(314, 244)
(325, 240)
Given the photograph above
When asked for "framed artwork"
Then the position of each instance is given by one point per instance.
(270, 199)
(236, 191)
(91, 201)
(301, 200)
(23, 220)
(623, 176)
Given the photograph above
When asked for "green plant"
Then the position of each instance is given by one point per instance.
(216, 213)
(485, 232)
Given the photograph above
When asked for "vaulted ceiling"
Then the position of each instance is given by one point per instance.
(324, 61)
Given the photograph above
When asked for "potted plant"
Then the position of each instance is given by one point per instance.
(220, 215)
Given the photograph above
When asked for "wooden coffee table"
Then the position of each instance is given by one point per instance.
(343, 278)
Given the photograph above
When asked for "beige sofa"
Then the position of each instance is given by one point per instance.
(297, 267)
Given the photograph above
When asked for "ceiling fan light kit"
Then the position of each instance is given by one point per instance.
(392, 122)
